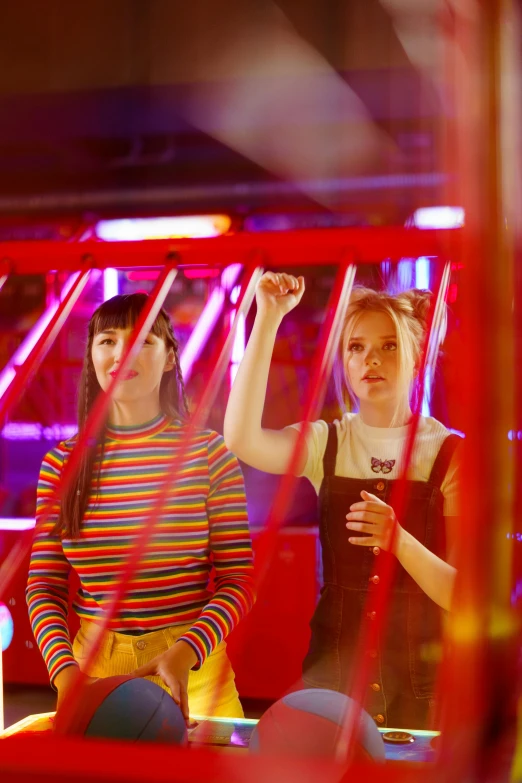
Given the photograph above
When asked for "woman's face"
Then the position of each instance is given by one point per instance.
(371, 360)
(143, 380)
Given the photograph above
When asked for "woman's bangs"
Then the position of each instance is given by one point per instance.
(123, 312)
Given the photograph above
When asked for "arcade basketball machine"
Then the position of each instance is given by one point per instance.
(479, 680)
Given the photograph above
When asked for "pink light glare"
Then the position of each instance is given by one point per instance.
(207, 320)
(238, 348)
(17, 523)
(8, 374)
(110, 284)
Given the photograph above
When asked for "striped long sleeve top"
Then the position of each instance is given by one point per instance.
(203, 525)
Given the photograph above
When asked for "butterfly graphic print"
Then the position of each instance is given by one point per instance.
(382, 465)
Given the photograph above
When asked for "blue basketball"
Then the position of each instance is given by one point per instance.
(308, 723)
(125, 708)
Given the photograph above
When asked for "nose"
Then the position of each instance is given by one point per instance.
(372, 357)
(118, 351)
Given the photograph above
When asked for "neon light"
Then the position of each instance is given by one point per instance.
(426, 397)
(110, 284)
(204, 271)
(439, 217)
(24, 349)
(238, 349)
(201, 332)
(234, 296)
(138, 229)
(207, 321)
(17, 523)
(6, 627)
(422, 273)
(143, 274)
(422, 280)
(26, 430)
(230, 275)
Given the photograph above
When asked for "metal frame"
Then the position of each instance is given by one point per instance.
(291, 249)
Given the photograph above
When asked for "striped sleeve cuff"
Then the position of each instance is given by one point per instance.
(194, 638)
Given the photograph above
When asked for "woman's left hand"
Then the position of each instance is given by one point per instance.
(372, 515)
(173, 667)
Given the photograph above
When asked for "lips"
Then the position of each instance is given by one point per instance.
(127, 377)
(369, 377)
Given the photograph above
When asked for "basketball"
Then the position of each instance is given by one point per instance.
(125, 708)
(308, 723)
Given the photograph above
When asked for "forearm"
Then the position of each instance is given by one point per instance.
(225, 610)
(242, 426)
(433, 575)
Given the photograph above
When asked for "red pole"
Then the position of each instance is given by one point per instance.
(24, 373)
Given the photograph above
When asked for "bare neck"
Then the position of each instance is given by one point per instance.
(385, 416)
(132, 414)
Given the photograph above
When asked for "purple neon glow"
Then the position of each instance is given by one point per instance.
(20, 523)
(29, 430)
(238, 349)
(110, 284)
(422, 280)
(20, 355)
(207, 320)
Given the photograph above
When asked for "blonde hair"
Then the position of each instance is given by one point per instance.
(409, 312)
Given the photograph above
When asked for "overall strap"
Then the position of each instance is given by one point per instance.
(443, 459)
(330, 453)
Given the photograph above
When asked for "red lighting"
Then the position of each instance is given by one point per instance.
(194, 274)
(143, 274)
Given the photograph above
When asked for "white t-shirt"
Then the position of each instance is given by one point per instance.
(358, 444)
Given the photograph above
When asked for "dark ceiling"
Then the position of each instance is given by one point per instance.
(156, 105)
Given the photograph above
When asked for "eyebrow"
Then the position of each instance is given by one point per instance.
(386, 337)
(115, 331)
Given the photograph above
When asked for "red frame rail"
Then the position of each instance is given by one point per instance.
(294, 248)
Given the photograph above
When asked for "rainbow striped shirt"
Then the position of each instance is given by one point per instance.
(203, 525)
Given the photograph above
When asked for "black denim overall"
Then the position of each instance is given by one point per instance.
(401, 689)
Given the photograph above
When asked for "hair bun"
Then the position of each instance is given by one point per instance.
(420, 303)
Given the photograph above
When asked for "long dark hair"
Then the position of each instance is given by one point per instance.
(120, 312)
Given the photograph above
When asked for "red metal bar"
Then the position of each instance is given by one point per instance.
(481, 668)
(290, 248)
(26, 371)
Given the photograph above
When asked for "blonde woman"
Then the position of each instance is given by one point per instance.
(353, 465)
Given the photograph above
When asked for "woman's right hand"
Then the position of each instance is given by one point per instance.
(278, 294)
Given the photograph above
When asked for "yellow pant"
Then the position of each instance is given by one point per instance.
(121, 654)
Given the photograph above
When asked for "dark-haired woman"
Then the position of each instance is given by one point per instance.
(170, 626)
